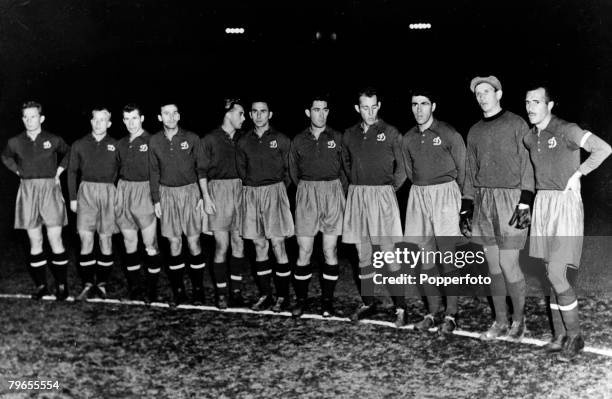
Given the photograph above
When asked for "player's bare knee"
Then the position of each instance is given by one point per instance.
(330, 253)
(130, 240)
(54, 235)
(261, 244)
(36, 240)
(221, 247)
(303, 258)
(509, 265)
(149, 236)
(364, 253)
(87, 241)
(36, 245)
(106, 244)
(220, 252)
(557, 275)
(176, 246)
(193, 242)
(237, 245)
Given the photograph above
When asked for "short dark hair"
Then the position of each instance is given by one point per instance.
(368, 91)
(323, 96)
(425, 92)
(32, 104)
(548, 94)
(261, 100)
(169, 102)
(132, 107)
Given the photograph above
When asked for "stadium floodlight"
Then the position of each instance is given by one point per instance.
(234, 31)
(420, 25)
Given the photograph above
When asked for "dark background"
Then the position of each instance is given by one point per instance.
(74, 54)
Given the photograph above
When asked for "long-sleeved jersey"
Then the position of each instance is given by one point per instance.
(38, 158)
(134, 157)
(496, 155)
(315, 159)
(261, 161)
(434, 156)
(374, 157)
(219, 155)
(175, 162)
(97, 161)
(555, 153)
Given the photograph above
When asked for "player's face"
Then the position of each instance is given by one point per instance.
(487, 97)
(260, 114)
(537, 108)
(133, 121)
(236, 116)
(32, 119)
(422, 109)
(368, 109)
(318, 114)
(100, 122)
(169, 116)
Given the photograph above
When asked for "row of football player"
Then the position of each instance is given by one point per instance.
(233, 184)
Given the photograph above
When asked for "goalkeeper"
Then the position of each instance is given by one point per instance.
(497, 192)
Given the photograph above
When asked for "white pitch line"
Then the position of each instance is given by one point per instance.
(462, 333)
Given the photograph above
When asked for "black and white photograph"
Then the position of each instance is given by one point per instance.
(305, 199)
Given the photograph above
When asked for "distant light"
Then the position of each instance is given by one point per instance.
(234, 31)
(420, 26)
(333, 36)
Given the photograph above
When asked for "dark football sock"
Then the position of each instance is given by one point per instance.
(301, 280)
(329, 280)
(264, 277)
(220, 271)
(87, 268)
(37, 266)
(282, 278)
(104, 267)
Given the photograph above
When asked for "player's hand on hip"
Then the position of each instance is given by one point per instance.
(209, 206)
(73, 206)
(573, 184)
(158, 211)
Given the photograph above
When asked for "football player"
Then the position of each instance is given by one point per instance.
(134, 209)
(262, 160)
(95, 158)
(315, 164)
(175, 170)
(434, 155)
(497, 195)
(222, 193)
(373, 161)
(558, 217)
(38, 158)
